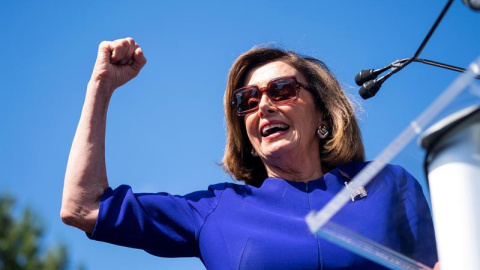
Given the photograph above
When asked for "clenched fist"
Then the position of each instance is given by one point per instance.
(117, 63)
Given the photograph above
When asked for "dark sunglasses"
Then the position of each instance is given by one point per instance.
(280, 91)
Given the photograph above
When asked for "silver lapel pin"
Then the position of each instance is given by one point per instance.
(356, 194)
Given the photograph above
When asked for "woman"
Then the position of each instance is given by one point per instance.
(292, 137)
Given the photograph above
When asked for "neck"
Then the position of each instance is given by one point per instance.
(296, 167)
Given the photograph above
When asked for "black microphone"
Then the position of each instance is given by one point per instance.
(367, 79)
(369, 74)
(370, 88)
(473, 4)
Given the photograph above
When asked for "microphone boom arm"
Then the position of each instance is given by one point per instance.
(370, 88)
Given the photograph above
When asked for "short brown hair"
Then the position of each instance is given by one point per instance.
(343, 145)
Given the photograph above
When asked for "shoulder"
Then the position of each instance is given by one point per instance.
(230, 189)
(217, 192)
(389, 171)
(389, 177)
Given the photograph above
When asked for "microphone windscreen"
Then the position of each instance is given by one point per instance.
(364, 76)
(369, 89)
(473, 4)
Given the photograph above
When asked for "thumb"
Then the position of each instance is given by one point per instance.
(104, 51)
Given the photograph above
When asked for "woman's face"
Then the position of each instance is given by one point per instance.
(283, 130)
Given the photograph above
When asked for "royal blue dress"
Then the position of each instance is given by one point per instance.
(231, 226)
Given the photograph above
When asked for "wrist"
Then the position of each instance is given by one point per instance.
(100, 90)
(98, 96)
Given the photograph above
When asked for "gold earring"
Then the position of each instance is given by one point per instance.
(322, 131)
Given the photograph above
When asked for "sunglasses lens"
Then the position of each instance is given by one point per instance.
(278, 91)
(282, 90)
(247, 99)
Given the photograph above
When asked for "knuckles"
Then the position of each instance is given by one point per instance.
(104, 44)
(124, 43)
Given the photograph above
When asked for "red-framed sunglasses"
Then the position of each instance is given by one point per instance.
(279, 90)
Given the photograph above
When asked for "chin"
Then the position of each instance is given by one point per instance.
(278, 149)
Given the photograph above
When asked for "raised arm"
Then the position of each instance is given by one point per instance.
(86, 178)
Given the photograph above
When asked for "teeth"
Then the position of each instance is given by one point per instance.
(266, 128)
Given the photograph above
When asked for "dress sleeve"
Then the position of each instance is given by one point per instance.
(418, 222)
(159, 223)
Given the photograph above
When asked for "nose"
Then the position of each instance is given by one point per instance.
(266, 106)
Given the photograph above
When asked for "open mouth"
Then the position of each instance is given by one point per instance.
(273, 128)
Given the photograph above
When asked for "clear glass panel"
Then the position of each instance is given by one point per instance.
(380, 213)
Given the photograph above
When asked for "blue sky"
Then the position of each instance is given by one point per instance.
(166, 128)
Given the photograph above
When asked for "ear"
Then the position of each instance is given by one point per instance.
(324, 120)
(323, 128)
